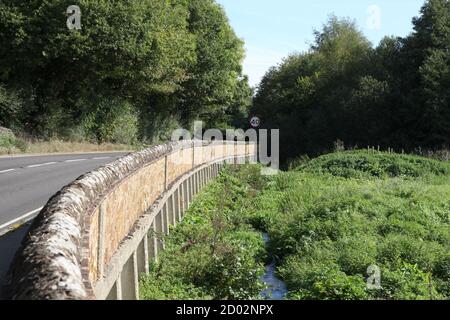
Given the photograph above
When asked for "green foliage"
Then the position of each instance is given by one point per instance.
(10, 107)
(326, 283)
(334, 216)
(364, 164)
(328, 221)
(113, 121)
(215, 253)
(172, 59)
(393, 95)
(217, 92)
(9, 142)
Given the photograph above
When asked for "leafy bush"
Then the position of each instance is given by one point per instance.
(214, 253)
(112, 121)
(362, 164)
(340, 213)
(326, 224)
(10, 143)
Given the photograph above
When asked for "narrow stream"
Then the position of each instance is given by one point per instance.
(276, 288)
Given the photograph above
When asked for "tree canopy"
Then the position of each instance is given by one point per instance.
(393, 95)
(142, 59)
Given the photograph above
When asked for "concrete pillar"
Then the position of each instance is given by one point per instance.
(128, 277)
(142, 256)
(146, 254)
(101, 242)
(160, 230)
(172, 209)
(202, 177)
(136, 276)
(197, 182)
(119, 287)
(166, 175)
(182, 201)
(166, 219)
(189, 189)
(152, 242)
(186, 194)
(178, 203)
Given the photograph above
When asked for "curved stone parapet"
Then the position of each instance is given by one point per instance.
(97, 235)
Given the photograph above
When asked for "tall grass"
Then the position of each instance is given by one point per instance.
(334, 216)
(11, 145)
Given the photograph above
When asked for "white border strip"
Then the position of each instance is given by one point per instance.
(5, 228)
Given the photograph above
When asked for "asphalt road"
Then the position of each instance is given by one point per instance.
(26, 184)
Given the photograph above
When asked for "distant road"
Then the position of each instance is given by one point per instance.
(26, 184)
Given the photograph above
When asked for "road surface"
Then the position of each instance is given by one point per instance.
(26, 184)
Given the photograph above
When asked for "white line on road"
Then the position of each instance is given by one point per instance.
(23, 218)
(9, 170)
(75, 160)
(41, 165)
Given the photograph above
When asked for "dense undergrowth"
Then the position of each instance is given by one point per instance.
(328, 220)
(215, 253)
(334, 216)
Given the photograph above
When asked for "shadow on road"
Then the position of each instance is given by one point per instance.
(9, 244)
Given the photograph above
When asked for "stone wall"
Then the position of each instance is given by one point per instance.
(77, 241)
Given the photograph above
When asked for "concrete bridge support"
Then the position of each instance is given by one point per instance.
(95, 238)
(172, 211)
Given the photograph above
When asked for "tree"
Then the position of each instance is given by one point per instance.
(173, 59)
(217, 84)
(393, 95)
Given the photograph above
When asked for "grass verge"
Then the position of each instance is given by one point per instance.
(328, 220)
(11, 145)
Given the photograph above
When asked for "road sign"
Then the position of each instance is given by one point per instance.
(255, 122)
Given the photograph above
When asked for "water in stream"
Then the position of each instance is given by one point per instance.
(276, 288)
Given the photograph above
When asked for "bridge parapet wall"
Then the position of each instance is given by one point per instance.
(97, 235)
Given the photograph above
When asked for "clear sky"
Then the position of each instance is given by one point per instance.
(272, 29)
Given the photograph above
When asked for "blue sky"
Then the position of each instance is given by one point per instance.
(272, 29)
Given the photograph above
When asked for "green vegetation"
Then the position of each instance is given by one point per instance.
(215, 253)
(364, 164)
(336, 215)
(394, 95)
(328, 219)
(9, 143)
(136, 70)
(139, 69)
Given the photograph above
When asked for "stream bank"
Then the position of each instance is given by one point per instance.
(276, 288)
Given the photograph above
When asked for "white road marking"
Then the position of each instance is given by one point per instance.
(75, 160)
(9, 170)
(21, 218)
(41, 165)
(54, 162)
